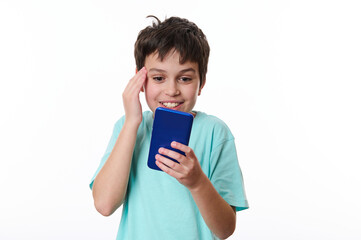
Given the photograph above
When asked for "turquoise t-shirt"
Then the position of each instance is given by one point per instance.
(157, 206)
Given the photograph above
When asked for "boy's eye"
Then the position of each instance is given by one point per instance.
(185, 79)
(158, 79)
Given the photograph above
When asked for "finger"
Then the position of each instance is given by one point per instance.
(167, 169)
(139, 76)
(184, 148)
(169, 163)
(136, 83)
(172, 154)
(142, 79)
(139, 79)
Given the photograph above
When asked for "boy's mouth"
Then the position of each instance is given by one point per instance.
(171, 104)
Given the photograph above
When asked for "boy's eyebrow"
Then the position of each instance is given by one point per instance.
(188, 70)
(161, 70)
(156, 70)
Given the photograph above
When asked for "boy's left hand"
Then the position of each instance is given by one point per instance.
(188, 171)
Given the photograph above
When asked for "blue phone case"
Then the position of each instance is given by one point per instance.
(169, 125)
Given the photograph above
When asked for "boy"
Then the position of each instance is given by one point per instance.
(195, 199)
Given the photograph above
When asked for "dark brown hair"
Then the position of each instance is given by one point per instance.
(177, 34)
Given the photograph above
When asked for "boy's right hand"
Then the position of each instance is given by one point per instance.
(131, 102)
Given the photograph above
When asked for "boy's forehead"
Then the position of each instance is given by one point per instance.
(172, 54)
(172, 57)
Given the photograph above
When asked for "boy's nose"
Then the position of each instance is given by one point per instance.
(172, 89)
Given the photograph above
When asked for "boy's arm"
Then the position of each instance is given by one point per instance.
(219, 216)
(110, 185)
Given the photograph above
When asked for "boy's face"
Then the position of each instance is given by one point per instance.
(170, 84)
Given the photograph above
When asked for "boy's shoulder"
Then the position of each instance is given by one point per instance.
(212, 124)
(210, 120)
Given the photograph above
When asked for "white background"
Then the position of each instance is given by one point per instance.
(284, 75)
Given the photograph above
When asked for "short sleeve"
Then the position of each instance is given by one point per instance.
(116, 130)
(226, 175)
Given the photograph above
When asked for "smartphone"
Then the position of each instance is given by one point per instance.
(168, 126)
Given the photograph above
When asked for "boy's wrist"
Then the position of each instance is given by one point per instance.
(200, 184)
(131, 125)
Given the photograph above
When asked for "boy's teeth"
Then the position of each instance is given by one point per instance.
(170, 105)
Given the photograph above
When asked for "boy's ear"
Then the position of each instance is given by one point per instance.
(136, 70)
(201, 87)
